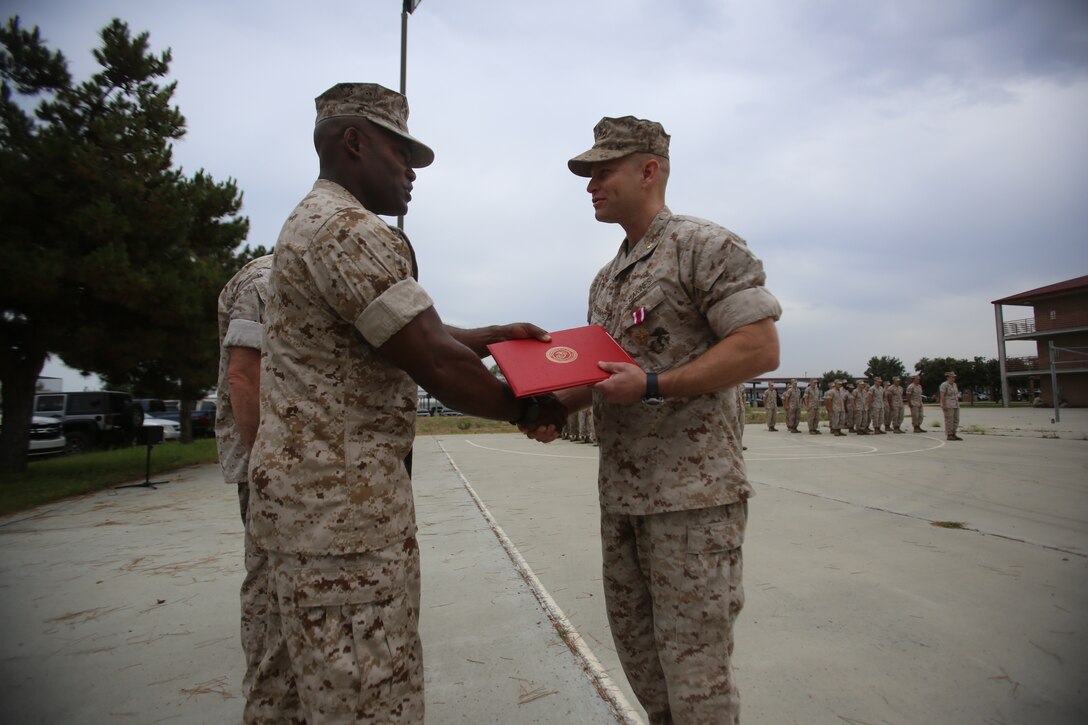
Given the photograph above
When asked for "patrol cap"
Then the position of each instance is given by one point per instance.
(378, 105)
(614, 138)
(950, 373)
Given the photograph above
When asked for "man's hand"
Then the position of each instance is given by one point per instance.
(626, 384)
(477, 339)
(520, 331)
(550, 421)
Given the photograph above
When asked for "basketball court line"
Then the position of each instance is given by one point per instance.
(871, 451)
(592, 667)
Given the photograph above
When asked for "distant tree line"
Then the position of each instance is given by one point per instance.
(112, 258)
(978, 374)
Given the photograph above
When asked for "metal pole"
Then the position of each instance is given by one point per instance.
(1000, 319)
(1054, 382)
(403, 73)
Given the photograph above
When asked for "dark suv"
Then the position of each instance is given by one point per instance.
(92, 420)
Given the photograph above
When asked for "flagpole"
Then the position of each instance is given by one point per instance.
(407, 8)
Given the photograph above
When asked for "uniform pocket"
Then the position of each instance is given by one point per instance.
(353, 621)
(712, 570)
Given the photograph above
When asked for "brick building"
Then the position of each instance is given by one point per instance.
(1060, 324)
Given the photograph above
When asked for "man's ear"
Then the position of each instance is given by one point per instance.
(650, 170)
(354, 142)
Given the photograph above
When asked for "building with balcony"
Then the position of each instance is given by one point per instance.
(1059, 329)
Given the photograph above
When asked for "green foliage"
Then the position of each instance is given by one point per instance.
(832, 375)
(978, 374)
(112, 258)
(56, 478)
(885, 368)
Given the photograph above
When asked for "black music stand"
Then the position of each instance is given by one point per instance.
(149, 435)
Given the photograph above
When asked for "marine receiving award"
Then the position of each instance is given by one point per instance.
(533, 367)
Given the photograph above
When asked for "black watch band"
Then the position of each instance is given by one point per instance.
(530, 412)
(653, 394)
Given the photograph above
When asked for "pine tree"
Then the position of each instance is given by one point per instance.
(105, 244)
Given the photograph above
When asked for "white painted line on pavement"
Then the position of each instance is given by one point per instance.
(527, 453)
(596, 673)
(840, 456)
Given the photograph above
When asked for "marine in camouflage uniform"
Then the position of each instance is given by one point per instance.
(848, 407)
(894, 401)
(950, 406)
(241, 320)
(791, 401)
(686, 298)
(876, 405)
(914, 399)
(861, 408)
(770, 406)
(349, 335)
(811, 400)
(837, 408)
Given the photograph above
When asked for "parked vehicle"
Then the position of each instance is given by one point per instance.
(46, 436)
(171, 429)
(92, 420)
(202, 417)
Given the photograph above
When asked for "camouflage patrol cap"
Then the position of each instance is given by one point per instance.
(378, 105)
(614, 138)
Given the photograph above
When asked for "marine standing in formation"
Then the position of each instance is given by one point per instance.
(837, 408)
(811, 400)
(893, 400)
(950, 406)
(770, 406)
(876, 405)
(861, 408)
(791, 401)
(914, 399)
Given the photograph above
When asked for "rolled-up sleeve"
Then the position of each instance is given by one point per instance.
(394, 308)
(363, 271)
(734, 293)
(243, 333)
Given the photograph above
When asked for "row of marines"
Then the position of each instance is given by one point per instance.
(879, 406)
(878, 409)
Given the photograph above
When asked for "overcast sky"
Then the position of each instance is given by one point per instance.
(896, 165)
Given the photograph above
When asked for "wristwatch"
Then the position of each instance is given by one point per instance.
(652, 395)
(530, 413)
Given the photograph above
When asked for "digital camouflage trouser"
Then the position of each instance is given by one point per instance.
(343, 640)
(672, 584)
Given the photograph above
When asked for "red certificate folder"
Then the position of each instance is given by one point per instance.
(532, 367)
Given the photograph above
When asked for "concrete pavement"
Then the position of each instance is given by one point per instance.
(121, 606)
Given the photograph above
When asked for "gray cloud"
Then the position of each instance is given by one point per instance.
(895, 165)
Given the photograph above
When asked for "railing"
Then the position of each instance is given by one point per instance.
(1022, 364)
(1062, 361)
(1019, 327)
